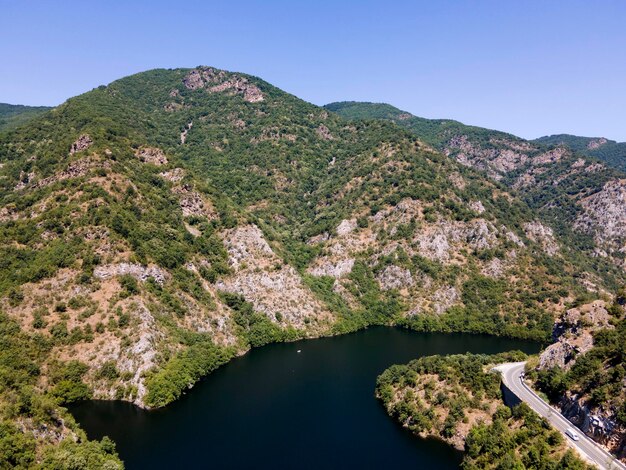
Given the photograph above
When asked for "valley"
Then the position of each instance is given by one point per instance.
(157, 228)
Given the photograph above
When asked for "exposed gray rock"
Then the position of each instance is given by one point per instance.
(477, 206)
(573, 334)
(596, 143)
(138, 271)
(395, 277)
(323, 132)
(327, 267)
(605, 215)
(543, 235)
(82, 143)
(346, 227)
(192, 203)
(152, 155)
(175, 175)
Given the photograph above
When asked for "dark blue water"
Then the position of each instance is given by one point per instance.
(276, 408)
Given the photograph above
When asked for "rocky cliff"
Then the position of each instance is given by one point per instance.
(583, 372)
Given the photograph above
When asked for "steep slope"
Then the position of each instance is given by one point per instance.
(583, 371)
(459, 399)
(13, 115)
(153, 228)
(581, 198)
(611, 152)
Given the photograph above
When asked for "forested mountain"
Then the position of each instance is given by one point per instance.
(154, 228)
(611, 152)
(13, 115)
(580, 197)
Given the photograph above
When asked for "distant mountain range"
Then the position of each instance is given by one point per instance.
(13, 115)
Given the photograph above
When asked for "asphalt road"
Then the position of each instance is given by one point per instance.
(591, 451)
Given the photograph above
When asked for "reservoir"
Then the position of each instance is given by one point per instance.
(276, 407)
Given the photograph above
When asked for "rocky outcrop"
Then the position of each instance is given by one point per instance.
(395, 277)
(82, 143)
(273, 288)
(138, 271)
(152, 155)
(346, 227)
(183, 134)
(174, 176)
(218, 81)
(327, 267)
(323, 132)
(596, 143)
(604, 215)
(573, 334)
(596, 422)
(192, 203)
(543, 235)
(441, 241)
(444, 298)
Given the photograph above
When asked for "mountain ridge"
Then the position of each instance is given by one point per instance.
(156, 227)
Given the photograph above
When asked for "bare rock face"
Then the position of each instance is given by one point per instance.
(324, 133)
(192, 203)
(75, 169)
(494, 268)
(346, 227)
(218, 81)
(495, 162)
(273, 134)
(139, 272)
(82, 143)
(605, 215)
(439, 242)
(444, 298)
(270, 285)
(598, 423)
(326, 267)
(543, 235)
(477, 206)
(573, 334)
(152, 155)
(183, 134)
(435, 245)
(193, 80)
(141, 356)
(596, 143)
(395, 277)
(551, 156)
(175, 175)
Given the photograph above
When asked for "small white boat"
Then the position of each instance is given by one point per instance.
(299, 350)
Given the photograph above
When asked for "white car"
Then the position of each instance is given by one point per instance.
(573, 434)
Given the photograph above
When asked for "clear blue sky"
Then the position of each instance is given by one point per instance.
(527, 67)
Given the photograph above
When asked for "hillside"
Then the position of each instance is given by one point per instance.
(459, 400)
(154, 228)
(611, 152)
(583, 371)
(579, 197)
(13, 115)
